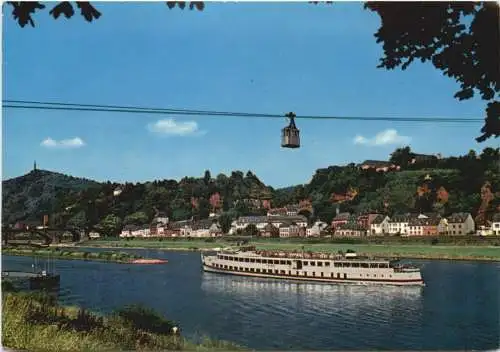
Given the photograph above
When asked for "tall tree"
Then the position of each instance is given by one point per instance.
(401, 156)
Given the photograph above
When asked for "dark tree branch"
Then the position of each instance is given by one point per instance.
(435, 31)
(22, 11)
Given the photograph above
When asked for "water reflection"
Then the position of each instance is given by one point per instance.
(223, 284)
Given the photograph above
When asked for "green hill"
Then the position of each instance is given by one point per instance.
(469, 183)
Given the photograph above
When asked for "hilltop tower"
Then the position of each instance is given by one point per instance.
(34, 166)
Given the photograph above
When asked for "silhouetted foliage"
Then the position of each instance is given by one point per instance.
(23, 11)
(440, 32)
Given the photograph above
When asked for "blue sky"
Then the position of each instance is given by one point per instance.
(262, 58)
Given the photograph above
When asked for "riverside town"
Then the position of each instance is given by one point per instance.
(250, 176)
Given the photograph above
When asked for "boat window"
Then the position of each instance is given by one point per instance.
(322, 274)
(289, 272)
(355, 265)
(346, 265)
(313, 263)
(258, 260)
(225, 266)
(337, 265)
(252, 260)
(247, 260)
(289, 262)
(320, 263)
(365, 265)
(345, 276)
(338, 275)
(314, 274)
(327, 263)
(304, 263)
(276, 262)
(276, 271)
(372, 265)
(282, 272)
(282, 262)
(305, 274)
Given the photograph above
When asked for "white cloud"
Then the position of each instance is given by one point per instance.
(76, 142)
(173, 128)
(386, 137)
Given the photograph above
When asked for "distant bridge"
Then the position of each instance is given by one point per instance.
(48, 234)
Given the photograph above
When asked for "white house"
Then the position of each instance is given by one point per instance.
(289, 230)
(460, 224)
(315, 230)
(380, 225)
(398, 224)
(495, 224)
(94, 235)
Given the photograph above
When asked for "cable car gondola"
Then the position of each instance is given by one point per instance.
(290, 135)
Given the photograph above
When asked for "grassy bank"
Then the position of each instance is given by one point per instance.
(36, 323)
(56, 253)
(446, 250)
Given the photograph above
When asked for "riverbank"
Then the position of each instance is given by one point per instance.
(37, 323)
(56, 253)
(410, 251)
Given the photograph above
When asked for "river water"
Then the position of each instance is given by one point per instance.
(458, 309)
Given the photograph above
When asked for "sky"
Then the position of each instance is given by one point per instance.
(245, 57)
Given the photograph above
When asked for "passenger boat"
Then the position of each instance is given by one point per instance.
(312, 267)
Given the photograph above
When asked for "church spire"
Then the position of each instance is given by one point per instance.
(34, 166)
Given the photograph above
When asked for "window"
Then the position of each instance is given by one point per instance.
(345, 276)
(289, 272)
(320, 263)
(304, 263)
(327, 263)
(258, 260)
(282, 272)
(282, 262)
(225, 266)
(313, 263)
(331, 275)
(276, 262)
(338, 275)
(314, 274)
(252, 260)
(289, 262)
(337, 265)
(322, 274)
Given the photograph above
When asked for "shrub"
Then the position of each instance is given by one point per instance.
(145, 319)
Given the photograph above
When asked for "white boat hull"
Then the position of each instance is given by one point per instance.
(395, 282)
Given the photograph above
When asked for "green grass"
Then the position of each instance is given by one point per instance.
(56, 253)
(36, 323)
(443, 247)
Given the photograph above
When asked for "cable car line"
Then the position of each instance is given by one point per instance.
(37, 105)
